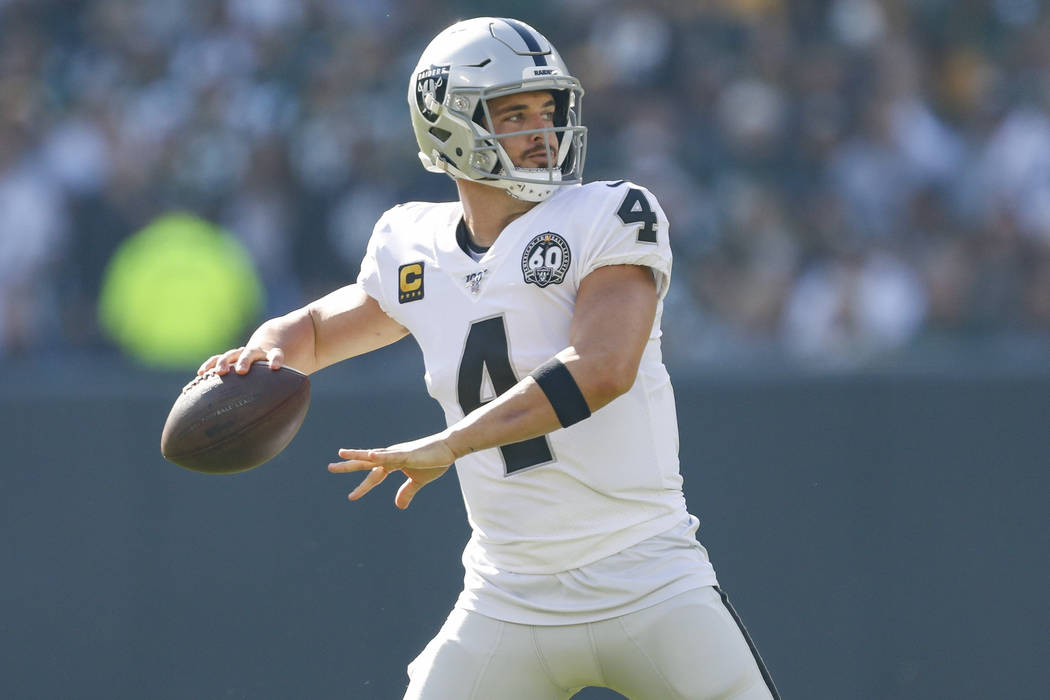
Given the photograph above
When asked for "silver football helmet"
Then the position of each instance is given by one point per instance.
(469, 64)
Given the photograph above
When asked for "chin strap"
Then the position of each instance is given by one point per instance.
(525, 191)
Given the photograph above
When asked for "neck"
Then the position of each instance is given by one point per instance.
(488, 210)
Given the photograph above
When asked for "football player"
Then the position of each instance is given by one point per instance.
(536, 300)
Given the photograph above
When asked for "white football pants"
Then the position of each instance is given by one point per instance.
(689, 647)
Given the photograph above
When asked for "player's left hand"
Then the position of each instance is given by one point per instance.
(422, 461)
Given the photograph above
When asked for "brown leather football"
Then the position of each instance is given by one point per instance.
(231, 423)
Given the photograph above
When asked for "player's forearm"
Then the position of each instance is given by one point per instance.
(338, 326)
(527, 410)
(347, 323)
(520, 413)
(294, 334)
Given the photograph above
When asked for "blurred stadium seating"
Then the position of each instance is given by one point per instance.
(850, 182)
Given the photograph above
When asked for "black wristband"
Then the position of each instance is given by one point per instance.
(562, 391)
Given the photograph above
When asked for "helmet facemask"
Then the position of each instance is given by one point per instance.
(450, 94)
(564, 152)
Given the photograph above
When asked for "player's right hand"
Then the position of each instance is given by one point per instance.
(240, 360)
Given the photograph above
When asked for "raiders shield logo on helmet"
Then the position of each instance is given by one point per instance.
(546, 259)
(431, 84)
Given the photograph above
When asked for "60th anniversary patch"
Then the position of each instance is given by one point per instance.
(546, 259)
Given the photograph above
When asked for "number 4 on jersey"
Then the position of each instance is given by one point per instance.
(487, 352)
(637, 210)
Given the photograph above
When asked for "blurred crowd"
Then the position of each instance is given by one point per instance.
(847, 180)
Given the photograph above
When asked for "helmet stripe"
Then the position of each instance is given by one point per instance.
(530, 41)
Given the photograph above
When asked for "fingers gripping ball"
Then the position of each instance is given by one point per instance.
(231, 423)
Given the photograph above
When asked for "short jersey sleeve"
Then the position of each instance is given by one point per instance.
(630, 228)
(370, 277)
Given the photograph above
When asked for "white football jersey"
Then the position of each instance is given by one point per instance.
(578, 494)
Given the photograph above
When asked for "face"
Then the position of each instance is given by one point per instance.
(521, 112)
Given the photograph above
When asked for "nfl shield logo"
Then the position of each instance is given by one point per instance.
(473, 281)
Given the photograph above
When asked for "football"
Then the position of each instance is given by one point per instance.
(232, 423)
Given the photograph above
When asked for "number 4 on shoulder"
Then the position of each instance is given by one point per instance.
(636, 209)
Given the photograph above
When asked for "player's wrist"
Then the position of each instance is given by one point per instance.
(456, 442)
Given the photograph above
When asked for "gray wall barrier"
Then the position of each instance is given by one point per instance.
(882, 536)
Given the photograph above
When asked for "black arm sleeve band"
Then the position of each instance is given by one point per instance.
(562, 391)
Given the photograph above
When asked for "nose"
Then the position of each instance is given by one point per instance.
(539, 137)
(536, 122)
